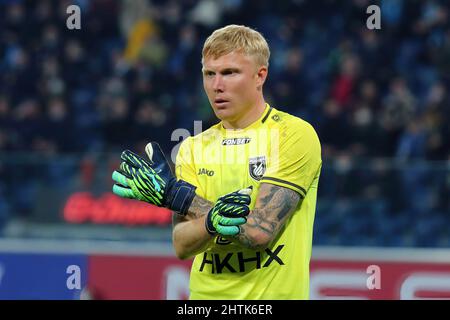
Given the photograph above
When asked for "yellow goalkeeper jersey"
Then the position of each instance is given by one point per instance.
(279, 149)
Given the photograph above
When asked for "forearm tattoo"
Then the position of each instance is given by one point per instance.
(273, 206)
(199, 207)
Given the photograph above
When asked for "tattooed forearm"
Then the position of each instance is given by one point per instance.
(259, 220)
(199, 207)
(273, 206)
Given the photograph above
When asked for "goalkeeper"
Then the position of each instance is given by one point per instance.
(247, 243)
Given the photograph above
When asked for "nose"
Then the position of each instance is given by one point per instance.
(218, 83)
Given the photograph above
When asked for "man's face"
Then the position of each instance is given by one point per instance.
(231, 83)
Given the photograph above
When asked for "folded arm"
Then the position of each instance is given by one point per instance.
(273, 207)
(189, 234)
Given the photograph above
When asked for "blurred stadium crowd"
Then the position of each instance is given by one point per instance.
(379, 99)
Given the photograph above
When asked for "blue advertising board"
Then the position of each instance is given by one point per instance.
(25, 276)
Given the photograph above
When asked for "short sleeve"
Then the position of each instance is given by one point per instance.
(184, 164)
(296, 161)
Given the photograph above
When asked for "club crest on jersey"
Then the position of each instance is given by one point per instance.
(257, 167)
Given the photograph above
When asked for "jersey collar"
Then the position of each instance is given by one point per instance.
(254, 125)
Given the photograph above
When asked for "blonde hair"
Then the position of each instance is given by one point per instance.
(237, 38)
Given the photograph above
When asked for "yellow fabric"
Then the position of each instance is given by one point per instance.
(141, 32)
(292, 155)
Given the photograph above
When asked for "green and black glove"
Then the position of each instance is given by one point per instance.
(152, 180)
(229, 212)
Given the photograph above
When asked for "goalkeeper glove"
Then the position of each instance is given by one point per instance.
(152, 181)
(229, 212)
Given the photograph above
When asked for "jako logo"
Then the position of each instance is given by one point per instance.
(209, 173)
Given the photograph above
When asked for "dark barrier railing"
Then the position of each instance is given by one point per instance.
(381, 202)
(384, 202)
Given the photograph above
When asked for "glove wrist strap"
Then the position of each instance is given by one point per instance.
(181, 197)
(208, 224)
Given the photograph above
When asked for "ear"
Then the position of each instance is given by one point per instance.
(261, 76)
